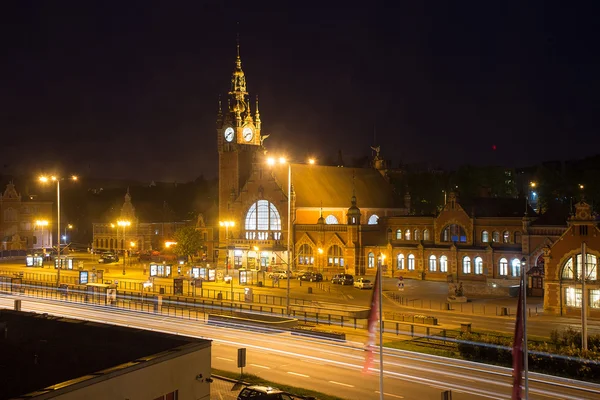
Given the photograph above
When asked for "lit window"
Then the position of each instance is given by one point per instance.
(443, 264)
(485, 237)
(263, 221)
(466, 265)
(373, 219)
(237, 258)
(573, 297)
(371, 258)
(503, 267)
(426, 234)
(398, 234)
(335, 256)
(506, 237)
(432, 263)
(478, 266)
(407, 234)
(495, 237)
(595, 298)
(400, 261)
(416, 234)
(573, 267)
(454, 233)
(331, 220)
(305, 255)
(515, 267)
(411, 262)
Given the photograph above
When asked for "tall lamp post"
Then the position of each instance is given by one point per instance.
(45, 179)
(227, 224)
(124, 224)
(525, 351)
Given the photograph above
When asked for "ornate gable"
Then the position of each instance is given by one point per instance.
(11, 193)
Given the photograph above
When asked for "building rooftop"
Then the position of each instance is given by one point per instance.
(42, 353)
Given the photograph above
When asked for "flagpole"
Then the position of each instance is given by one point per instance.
(380, 289)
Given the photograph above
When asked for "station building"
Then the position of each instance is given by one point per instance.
(334, 219)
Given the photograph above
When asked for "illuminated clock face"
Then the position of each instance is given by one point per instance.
(248, 134)
(229, 134)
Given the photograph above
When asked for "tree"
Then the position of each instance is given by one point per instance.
(189, 242)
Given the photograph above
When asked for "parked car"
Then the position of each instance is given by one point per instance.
(108, 257)
(279, 273)
(362, 283)
(263, 393)
(342, 279)
(311, 277)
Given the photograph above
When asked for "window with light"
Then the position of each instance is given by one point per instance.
(411, 262)
(416, 235)
(503, 267)
(466, 265)
(454, 233)
(574, 268)
(506, 237)
(263, 221)
(398, 234)
(331, 220)
(485, 237)
(237, 258)
(371, 260)
(373, 220)
(495, 237)
(407, 234)
(432, 263)
(335, 256)
(305, 255)
(478, 265)
(573, 297)
(515, 267)
(443, 264)
(426, 234)
(595, 298)
(400, 261)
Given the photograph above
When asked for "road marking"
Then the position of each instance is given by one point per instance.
(260, 366)
(341, 384)
(224, 359)
(390, 395)
(297, 374)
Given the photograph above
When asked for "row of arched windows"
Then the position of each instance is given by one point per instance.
(335, 256)
(469, 266)
(332, 219)
(412, 235)
(506, 237)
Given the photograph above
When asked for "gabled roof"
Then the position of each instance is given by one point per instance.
(334, 186)
(489, 207)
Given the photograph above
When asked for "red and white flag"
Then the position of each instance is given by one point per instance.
(372, 324)
(517, 350)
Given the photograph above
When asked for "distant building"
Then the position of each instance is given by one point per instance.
(18, 216)
(47, 357)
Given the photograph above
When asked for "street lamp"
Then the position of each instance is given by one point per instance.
(227, 224)
(52, 178)
(320, 259)
(524, 313)
(124, 224)
(69, 226)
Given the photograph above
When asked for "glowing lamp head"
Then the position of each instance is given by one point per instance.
(43, 179)
(271, 161)
(311, 161)
(320, 250)
(282, 160)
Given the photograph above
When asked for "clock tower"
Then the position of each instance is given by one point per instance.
(238, 139)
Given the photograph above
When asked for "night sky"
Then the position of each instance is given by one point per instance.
(129, 89)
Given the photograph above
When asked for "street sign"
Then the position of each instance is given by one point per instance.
(242, 359)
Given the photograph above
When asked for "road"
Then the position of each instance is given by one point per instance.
(333, 368)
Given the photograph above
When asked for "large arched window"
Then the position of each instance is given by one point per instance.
(416, 235)
(573, 268)
(454, 233)
(371, 260)
(515, 267)
(443, 264)
(432, 263)
(398, 234)
(466, 265)
(263, 221)
(335, 256)
(485, 237)
(411, 262)
(331, 220)
(407, 234)
(496, 237)
(373, 219)
(305, 255)
(426, 234)
(506, 237)
(400, 261)
(503, 267)
(478, 265)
